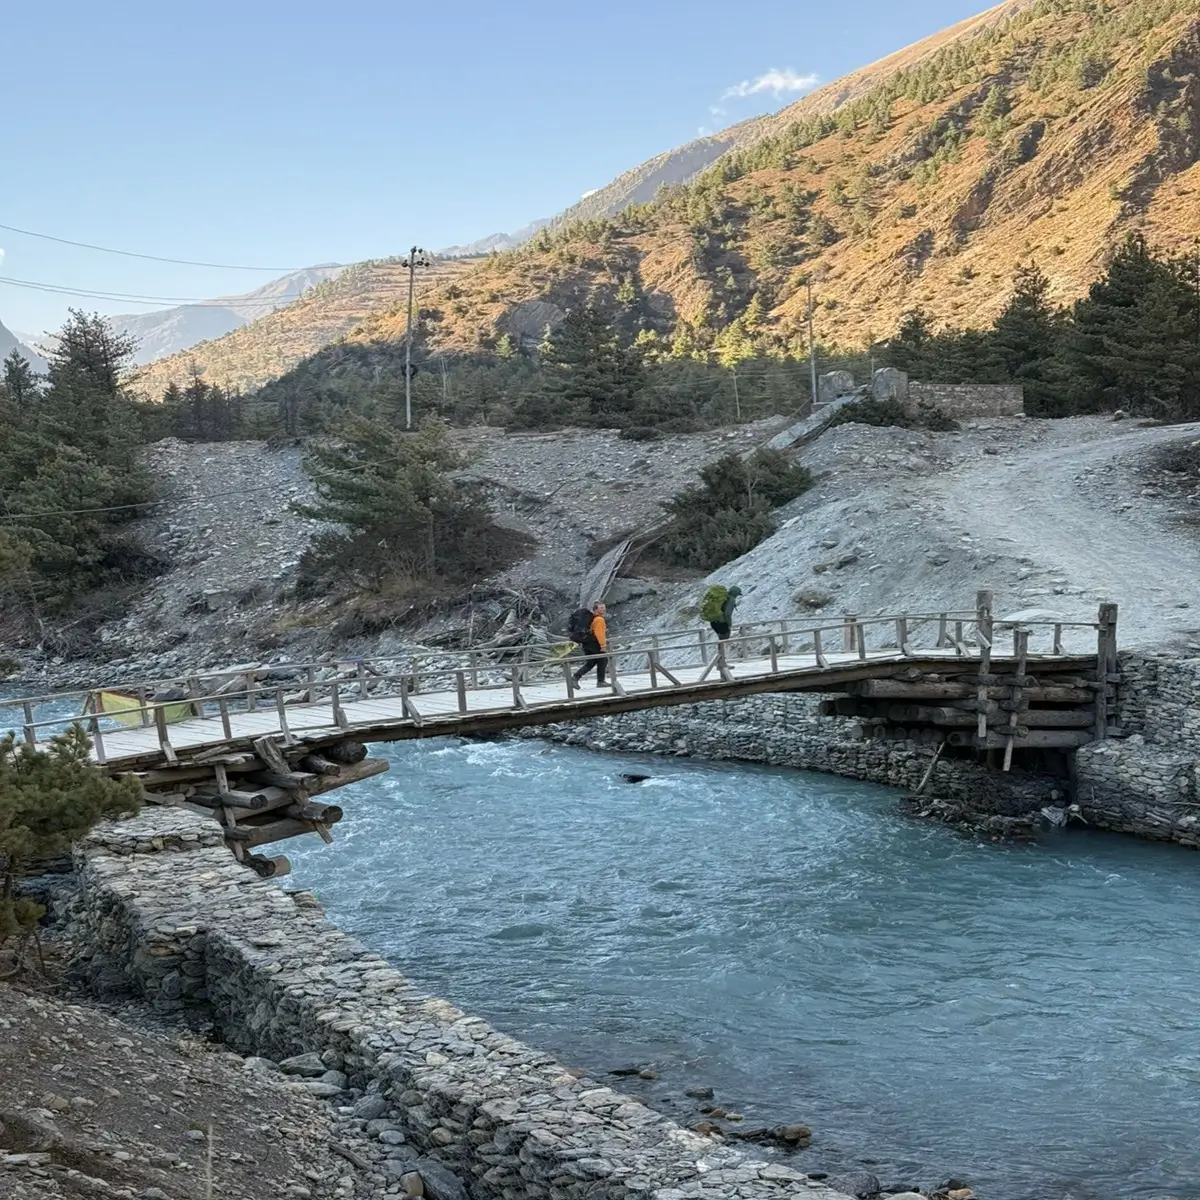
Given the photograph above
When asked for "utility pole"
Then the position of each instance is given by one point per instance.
(812, 353)
(737, 403)
(416, 258)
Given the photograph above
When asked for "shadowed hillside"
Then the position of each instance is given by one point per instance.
(265, 348)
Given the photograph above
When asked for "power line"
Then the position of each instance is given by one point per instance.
(182, 262)
(142, 298)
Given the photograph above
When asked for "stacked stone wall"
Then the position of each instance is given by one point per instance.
(165, 913)
(786, 731)
(968, 400)
(1147, 781)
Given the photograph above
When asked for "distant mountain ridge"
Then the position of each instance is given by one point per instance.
(10, 342)
(168, 331)
(495, 242)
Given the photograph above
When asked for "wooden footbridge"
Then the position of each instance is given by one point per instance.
(257, 747)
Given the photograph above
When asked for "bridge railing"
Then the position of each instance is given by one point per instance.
(294, 697)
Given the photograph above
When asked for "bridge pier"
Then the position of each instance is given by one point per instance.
(997, 713)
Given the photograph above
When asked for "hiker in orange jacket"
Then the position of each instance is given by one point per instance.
(595, 643)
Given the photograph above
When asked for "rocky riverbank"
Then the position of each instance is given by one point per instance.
(166, 915)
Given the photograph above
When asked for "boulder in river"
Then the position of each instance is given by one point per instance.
(629, 1070)
(862, 1184)
(631, 777)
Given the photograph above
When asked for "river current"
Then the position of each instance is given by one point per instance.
(1021, 1017)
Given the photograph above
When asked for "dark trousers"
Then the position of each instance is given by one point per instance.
(591, 646)
(722, 629)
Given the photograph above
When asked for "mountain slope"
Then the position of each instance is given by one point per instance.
(168, 331)
(641, 184)
(266, 347)
(10, 342)
(1041, 131)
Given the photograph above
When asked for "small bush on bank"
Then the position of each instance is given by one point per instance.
(49, 798)
(893, 413)
(732, 511)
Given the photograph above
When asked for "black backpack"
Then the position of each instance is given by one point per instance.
(580, 624)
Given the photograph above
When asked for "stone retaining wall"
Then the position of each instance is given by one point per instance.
(165, 913)
(967, 400)
(1148, 781)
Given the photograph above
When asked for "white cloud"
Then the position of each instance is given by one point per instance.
(1, 256)
(775, 81)
(589, 192)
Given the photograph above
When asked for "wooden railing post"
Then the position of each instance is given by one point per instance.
(822, 661)
(30, 729)
(1106, 664)
(339, 713)
(983, 627)
(1021, 651)
(849, 643)
(164, 741)
(282, 714)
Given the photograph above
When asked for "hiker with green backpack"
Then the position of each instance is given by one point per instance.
(717, 608)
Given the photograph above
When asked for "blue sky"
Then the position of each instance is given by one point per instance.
(287, 134)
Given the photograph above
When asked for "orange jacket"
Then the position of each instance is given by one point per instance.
(600, 631)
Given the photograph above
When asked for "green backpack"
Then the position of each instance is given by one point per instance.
(712, 607)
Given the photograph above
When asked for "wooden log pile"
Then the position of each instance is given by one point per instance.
(265, 796)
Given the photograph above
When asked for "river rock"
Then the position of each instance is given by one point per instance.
(303, 1064)
(369, 1108)
(862, 1184)
(314, 1087)
(440, 1184)
(700, 1093)
(792, 1135)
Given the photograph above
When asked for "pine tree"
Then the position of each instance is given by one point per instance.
(395, 509)
(910, 350)
(18, 385)
(1026, 341)
(1131, 344)
(69, 466)
(588, 374)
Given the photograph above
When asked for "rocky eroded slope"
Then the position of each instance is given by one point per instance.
(1053, 516)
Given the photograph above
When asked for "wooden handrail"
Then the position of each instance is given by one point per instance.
(449, 670)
